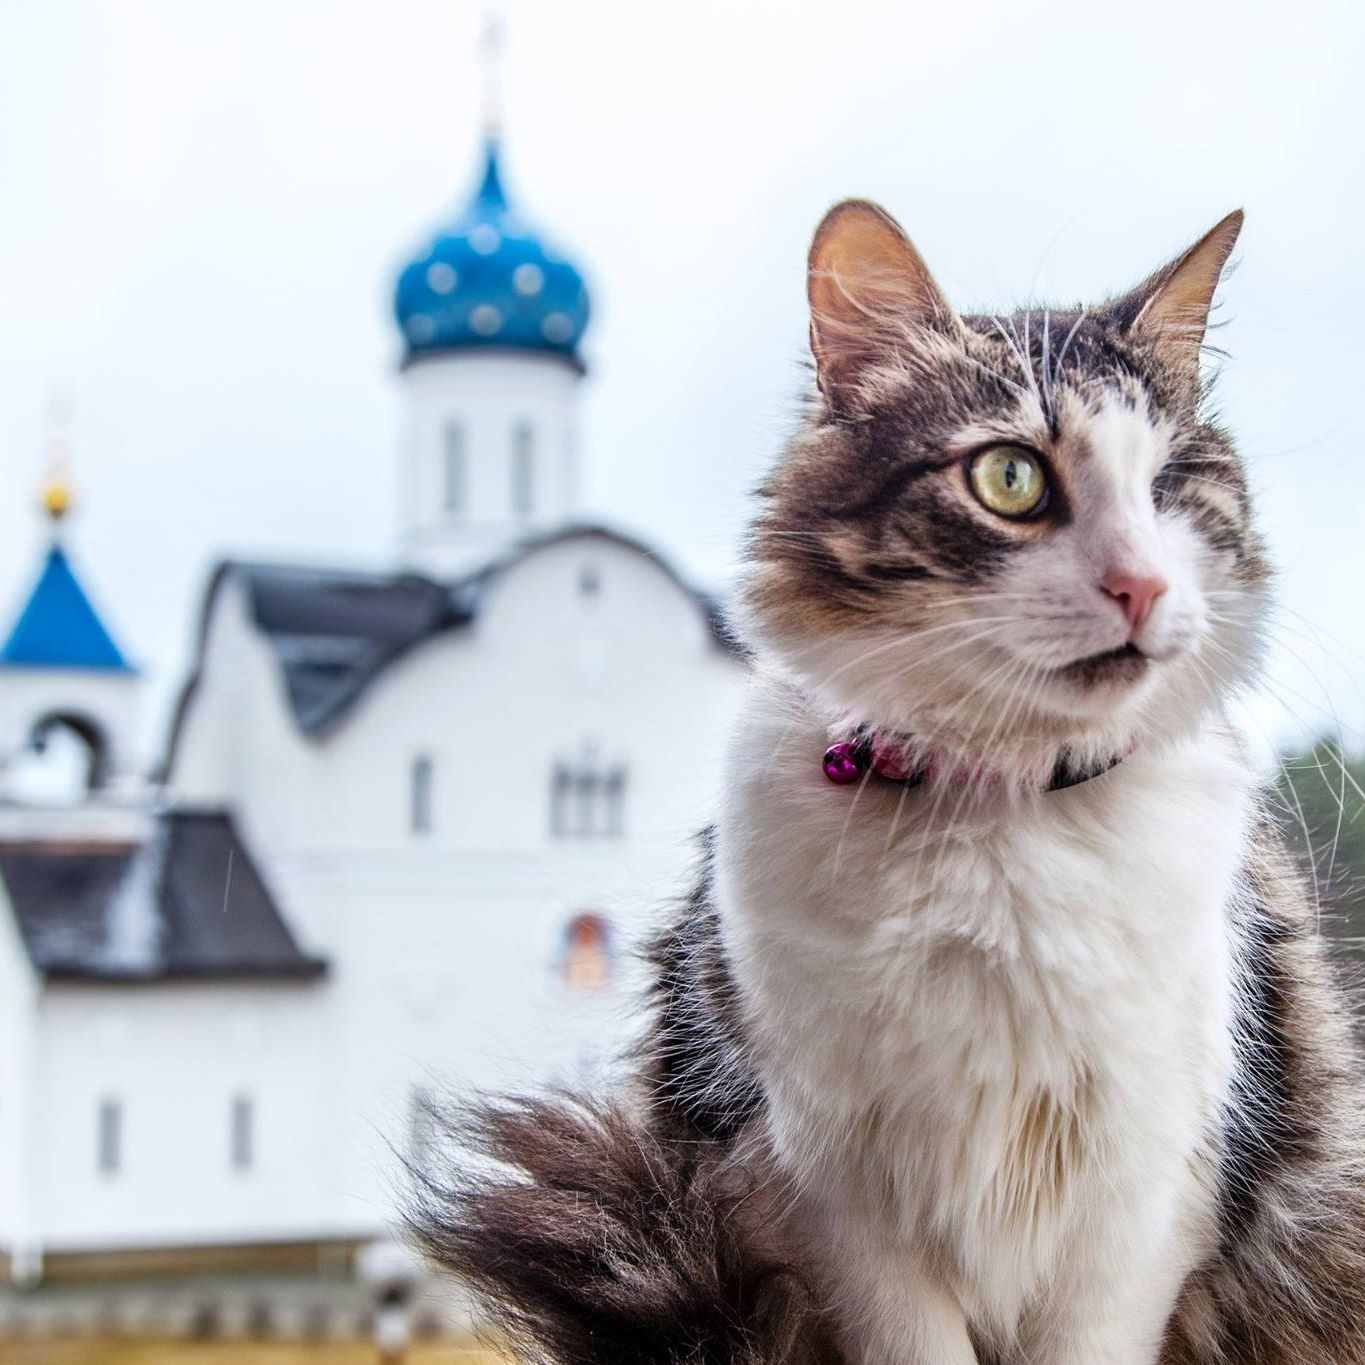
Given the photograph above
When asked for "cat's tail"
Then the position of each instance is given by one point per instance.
(589, 1239)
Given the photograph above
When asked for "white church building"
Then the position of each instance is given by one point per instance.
(403, 828)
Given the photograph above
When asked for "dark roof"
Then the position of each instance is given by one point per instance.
(335, 631)
(188, 904)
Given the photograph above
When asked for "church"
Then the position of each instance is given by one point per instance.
(403, 833)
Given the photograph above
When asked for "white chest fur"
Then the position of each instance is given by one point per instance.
(993, 1030)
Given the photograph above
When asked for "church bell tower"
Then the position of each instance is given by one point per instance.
(63, 679)
(492, 319)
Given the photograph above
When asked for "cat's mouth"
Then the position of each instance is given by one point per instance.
(1126, 664)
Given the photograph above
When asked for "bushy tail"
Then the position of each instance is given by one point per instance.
(588, 1239)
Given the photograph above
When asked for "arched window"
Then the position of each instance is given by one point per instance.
(86, 737)
(588, 797)
(585, 962)
(420, 803)
(523, 470)
(454, 471)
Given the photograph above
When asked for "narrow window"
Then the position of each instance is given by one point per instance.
(453, 469)
(586, 783)
(589, 581)
(614, 788)
(523, 470)
(109, 1139)
(561, 782)
(419, 814)
(242, 1133)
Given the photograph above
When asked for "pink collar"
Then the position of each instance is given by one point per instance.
(897, 759)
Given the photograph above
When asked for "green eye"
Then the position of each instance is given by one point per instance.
(1008, 480)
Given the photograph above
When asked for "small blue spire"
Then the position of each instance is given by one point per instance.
(491, 193)
(58, 628)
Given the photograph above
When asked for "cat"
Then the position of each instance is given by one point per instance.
(998, 1029)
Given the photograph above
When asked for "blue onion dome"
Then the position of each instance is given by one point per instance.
(490, 281)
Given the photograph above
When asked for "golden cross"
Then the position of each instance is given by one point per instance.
(56, 494)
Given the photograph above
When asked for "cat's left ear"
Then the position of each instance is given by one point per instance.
(1171, 308)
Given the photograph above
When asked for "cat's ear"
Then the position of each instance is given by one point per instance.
(868, 289)
(1171, 308)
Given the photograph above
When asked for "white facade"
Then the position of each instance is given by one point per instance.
(445, 942)
(489, 454)
(168, 1063)
(21, 1131)
(103, 705)
(505, 786)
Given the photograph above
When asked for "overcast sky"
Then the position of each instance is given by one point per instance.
(204, 207)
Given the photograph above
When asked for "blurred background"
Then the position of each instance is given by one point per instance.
(381, 392)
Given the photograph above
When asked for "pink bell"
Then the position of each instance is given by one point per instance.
(841, 764)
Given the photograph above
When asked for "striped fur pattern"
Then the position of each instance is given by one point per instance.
(1287, 1283)
(613, 1240)
(980, 1075)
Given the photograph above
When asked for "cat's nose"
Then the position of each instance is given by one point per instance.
(1136, 595)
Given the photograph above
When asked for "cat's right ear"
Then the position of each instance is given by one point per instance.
(869, 291)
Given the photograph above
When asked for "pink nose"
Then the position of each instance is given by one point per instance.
(1135, 594)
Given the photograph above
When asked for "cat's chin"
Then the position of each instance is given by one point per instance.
(1106, 691)
(1112, 669)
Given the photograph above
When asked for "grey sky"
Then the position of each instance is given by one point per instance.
(204, 207)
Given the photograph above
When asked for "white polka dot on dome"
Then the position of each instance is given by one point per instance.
(557, 327)
(528, 279)
(485, 239)
(442, 277)
(420, 328)
(485, 320)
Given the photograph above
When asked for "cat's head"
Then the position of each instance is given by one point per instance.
(1006, 534)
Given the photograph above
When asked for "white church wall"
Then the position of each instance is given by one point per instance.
(629, 668)
(447, 943)
(442, 989)
(20, 1138)
(544, 674)
(168, 1062)
(238, 720)
(107, 699)
(103, 820)
(424, 846)
(460, 482)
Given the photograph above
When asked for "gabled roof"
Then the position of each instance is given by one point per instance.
(335, 631)
(58, 628)
(190, 904)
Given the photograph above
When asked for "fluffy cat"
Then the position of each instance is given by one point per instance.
(998, 1028)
